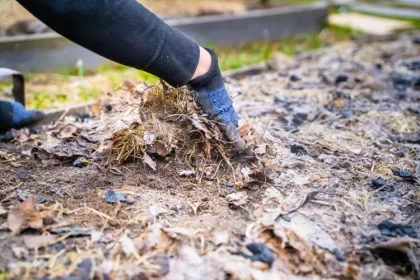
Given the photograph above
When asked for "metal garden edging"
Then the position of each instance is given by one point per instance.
(387, 10)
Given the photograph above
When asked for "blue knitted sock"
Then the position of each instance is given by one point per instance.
(214, 99)
(14, 115)
(213, 96)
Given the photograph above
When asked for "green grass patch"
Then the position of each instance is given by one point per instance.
(249, 54)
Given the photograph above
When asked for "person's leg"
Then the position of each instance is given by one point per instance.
(203, 65)
(128, 33)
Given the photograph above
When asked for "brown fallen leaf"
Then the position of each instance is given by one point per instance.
(220, 238)
(237, 199)
(197, 123)
(68, 131)
(261, 149)
(15, 221)
(24, 216)
(186, 173)
(155, 211)
(2, 212)
(6, 156)
(38, 241)
(28, 207)
(149, 161)
(161, 149)
(400, 245)
(19, 252)
(36, 223)
(149, 138)
(244, 129)
(128, 85)
(127, 246)
(22, 136)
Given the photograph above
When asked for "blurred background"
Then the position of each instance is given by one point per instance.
(277, 28)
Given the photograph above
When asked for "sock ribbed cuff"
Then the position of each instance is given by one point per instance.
(212, 80)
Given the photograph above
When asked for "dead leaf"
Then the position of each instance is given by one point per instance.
(2, 211)
(36, 224)
(19, 252)
(38, 241)
(128, 85)
(22, 136)
(155, 211)
(127, 246)
(194, 207)
(245, 172)
(244, 129)
(117, 210)
(156, 238)
(15, 164)
(220, 238)
(149, 161)
(283, 60)
(238, 199)
(6, 156)
(178, 232)
(402, 245)
(106, 267)
(15, 221)
(95, 236)
(142, 93)
(186, 173)
(199, 125)
(271, 194)
(27, 153)
(261, 149)
(398, 246)
(161, 149)
(149, 138)
(28, 207)
(68, 131)
(307, 231)
(25, 216)
(162, 261)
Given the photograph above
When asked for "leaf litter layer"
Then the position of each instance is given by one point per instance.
(332, 193)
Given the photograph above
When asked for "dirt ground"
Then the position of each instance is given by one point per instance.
(332, 191)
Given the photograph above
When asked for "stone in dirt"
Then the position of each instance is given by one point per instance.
(114, 197)
(390, 229)
(403, 173)
(298, 150)
(260, 253)
(81, 162)
(381, 183)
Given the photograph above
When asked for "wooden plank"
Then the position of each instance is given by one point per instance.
(369, 24)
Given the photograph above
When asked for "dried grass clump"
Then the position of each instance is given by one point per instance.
(169, 122)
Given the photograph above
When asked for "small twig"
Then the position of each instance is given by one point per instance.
(100, 214)
(308, 197)
(264, 131)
